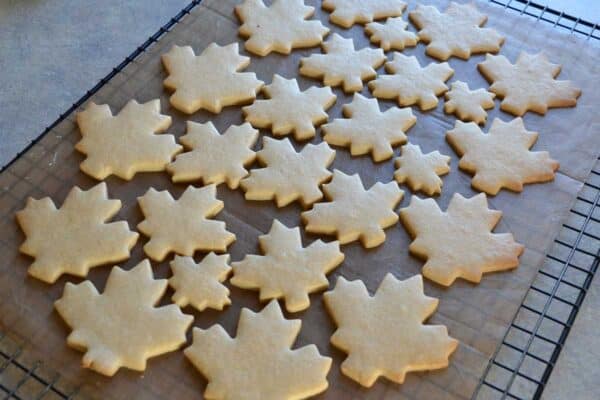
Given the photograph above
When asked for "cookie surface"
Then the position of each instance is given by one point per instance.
(287, 109)
(346, 13)
(501, 158)
(209, 81)
(384, 334)
(455, 32)
(354, 213)
(266, 367)
(421, 171)
(200, 285)
(126, 143)
(287, 270)
(112, 327)
(458, 243)
(75, 237)
(288, 175)
(280, 27)
(467, 104)
(410, 83)
(342, 64)
(391, 35)
(214, 158)
(367, 129)
(529, 84)
(182, 226)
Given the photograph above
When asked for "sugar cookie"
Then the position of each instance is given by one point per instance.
(366, 129)
(467, 104)
(420, 171)
(391, 35)
(280, 27)
(287, 270)
(501, 158)
(126, 143)
(182, 226)
(343, 64)
(458, 243)
(456, 32)
(288, 175)
(75, 237)
(410, 83)
(209, 81)
(287, 109)
(214, 158)
(354, 213)
(529, 84)
(122, 327)
(384, 334)
(346, 13)
(265, 366)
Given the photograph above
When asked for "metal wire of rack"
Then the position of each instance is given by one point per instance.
(538, 331)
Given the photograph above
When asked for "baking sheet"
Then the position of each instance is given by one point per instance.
(477, 315)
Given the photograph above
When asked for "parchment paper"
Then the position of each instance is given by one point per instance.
(477, 315)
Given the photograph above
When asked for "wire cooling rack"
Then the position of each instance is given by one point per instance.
(522, 364)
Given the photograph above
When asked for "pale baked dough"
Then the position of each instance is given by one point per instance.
(288, 175)
(501, 158)
(354, 213)
(421, 171)
(529, 84)
(342, 64)
(287, 109)
(126, 143)
(287, 270)
(456, 32)
(259, 362)
(214, 158)
(182, 226)
(122, 327)
(467, 104)
(200, 284)
(75, 237)
(346, 13)
(384, 334)
(409, 83)
(366, 129)
(458, 243)
(280, 27)
(209, 81)
(392, 34)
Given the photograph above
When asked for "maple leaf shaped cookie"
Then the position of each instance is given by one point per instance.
(529, 84)
(289, 176)
(410, 83)
(182, 226)
(459, 243)
(265, 366)
(468, 105)
(354, 213)
(500, 158)
(346, 13)
(126, 143)
(384, 334)
(456, 32)
(420, 171)
(287, 109)
(200, 285)
(209, 81)
(342, 64)
(122, 327)
(279, 27)
(215, 158)
(287, 270)
(367, 129)
(75, 237)
(391, 35)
